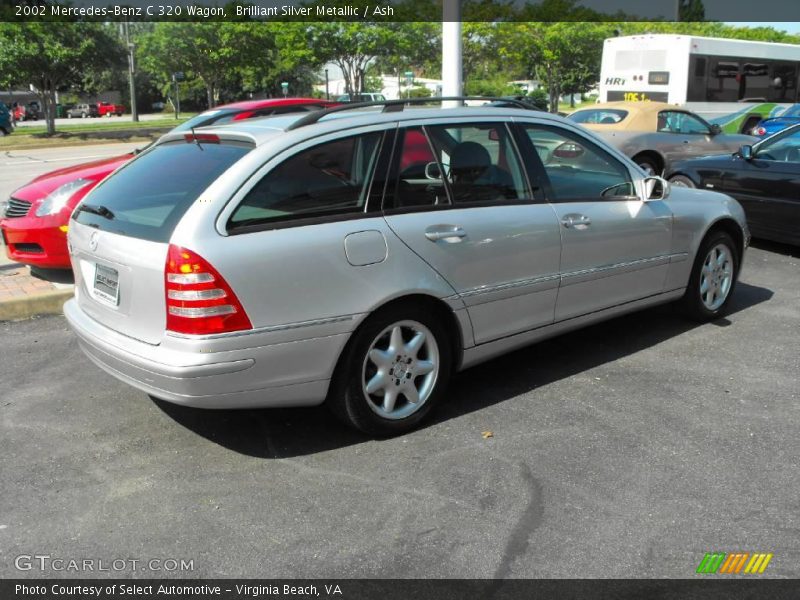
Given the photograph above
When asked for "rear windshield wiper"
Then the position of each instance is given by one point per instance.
(97, 210)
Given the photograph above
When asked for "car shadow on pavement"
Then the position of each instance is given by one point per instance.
(285, 433)
(776, 247)
(53, 275)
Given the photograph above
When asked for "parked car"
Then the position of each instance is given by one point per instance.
(18, 111)
(83, 111)
(767, 127)
(362, 97)
(27, 112)
(35, 222)
(6, 120)
(764, 178)
(106, 109)
(298, 260)
(656, 134)
(34, 111)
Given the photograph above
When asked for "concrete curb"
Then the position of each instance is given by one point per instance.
(48, 303)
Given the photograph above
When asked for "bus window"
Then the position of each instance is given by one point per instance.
(697, 81)
(783, 83)
(722, 81)
(754, 81)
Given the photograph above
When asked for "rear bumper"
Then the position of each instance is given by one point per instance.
(293, 373)
(36, 241)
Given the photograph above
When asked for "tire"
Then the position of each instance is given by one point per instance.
(381, 354)
(83, 115)
(69, 115)
(647, 164)
(713, 279)
(682, 181)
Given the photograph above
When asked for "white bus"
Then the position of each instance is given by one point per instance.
(732, 83)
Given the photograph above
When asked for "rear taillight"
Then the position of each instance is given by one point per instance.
(760, 131)
(199, 300)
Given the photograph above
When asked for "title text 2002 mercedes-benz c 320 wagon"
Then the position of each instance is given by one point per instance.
(361, 257)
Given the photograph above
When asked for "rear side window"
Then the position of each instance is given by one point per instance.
(597, 116)
(327, 180)
(148, 197)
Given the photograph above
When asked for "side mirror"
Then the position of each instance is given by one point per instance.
(432, 171)
(656, 188)
(715, 129)
(746, 152)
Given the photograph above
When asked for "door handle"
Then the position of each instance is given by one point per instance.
(451, 233)
(576, 221)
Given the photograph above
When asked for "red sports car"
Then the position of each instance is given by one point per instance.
(34, 226)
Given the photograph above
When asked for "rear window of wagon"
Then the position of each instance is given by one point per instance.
(148, 197)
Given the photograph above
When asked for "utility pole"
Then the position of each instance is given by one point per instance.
(451, 50)
(176, 78)
(131, 69)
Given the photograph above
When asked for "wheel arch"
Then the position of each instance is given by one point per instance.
(437, 306)
(749, 121)
(733, 229)
(654, 156)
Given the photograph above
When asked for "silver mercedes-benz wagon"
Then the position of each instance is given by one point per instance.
(361, 257)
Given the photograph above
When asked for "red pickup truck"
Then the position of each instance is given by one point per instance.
(107, 108)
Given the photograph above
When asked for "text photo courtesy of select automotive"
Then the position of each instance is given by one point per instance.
(484, 300)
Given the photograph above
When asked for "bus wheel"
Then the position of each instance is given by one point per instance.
(749, 124)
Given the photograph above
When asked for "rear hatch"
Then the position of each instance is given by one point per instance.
(120, 233)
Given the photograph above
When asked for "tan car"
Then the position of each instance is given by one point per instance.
(656, 134)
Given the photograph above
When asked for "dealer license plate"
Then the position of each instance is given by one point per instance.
(106, 285)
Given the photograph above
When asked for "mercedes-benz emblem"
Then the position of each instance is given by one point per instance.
(93, 241)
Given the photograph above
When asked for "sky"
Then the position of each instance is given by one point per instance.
(789, 27)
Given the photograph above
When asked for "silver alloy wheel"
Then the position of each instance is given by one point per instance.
(400, 370)
(716, 277)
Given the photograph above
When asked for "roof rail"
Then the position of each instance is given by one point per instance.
(397, 106)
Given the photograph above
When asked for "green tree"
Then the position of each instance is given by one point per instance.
(417, 47)
(564, 56)
(351, 47)
(496, 86)
(691, 10)
(214, 53)
(52, 57)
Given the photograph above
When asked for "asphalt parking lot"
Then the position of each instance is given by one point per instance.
(629, 449)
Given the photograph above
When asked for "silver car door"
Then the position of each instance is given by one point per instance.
(615, 247)
(460, 199)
